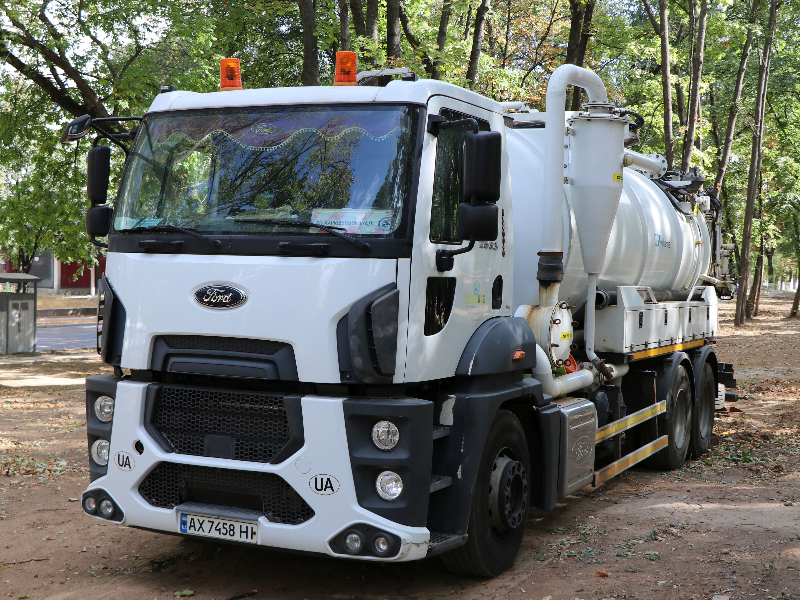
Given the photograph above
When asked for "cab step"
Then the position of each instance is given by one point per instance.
(439, 482)
(442, 542)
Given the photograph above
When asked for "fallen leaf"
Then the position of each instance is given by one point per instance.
(603, 573)
(183, 594)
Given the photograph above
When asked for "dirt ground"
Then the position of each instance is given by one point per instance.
(727, 525)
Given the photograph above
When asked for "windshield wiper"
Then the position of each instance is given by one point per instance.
(366, 246)
(214, 243)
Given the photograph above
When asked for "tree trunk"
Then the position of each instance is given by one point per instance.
(477, 42)
(770, 252)
(795, 302)
(758, 278)
(698, 54)
(467, 22)
(392, 30)
(583, 42)
(441, 37)
(680, 100)
(755, 164)
(666, 85)
(725, 154)
(372, 28)
(344, 25)
(357, 10)
(308, 20)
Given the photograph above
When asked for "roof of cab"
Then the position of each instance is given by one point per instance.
(417, 92)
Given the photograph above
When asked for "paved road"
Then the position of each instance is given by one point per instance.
(66, 337)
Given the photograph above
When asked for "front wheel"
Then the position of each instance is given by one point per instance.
(500, 500)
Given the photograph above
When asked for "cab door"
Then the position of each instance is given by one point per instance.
(446, 308)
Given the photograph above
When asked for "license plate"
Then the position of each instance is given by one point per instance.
(224, 529)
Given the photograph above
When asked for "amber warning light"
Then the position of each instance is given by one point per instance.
(345, 68)
(230, 75)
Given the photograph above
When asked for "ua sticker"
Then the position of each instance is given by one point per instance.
(124, 461)
(324, 485)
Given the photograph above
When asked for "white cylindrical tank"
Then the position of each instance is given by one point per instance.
(651, 242)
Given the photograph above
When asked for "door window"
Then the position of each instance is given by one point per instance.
(447, 178)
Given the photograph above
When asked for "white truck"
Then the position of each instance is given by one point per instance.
(381, 322)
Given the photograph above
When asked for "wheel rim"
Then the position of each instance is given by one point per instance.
(508, 495)
(682, 418)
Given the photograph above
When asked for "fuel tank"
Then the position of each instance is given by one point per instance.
(651, 243)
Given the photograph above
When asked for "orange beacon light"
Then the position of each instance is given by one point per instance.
(230, 75)
(345, 68)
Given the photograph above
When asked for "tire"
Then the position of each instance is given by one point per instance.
(678, 423)
(703, 414)
(497, 518)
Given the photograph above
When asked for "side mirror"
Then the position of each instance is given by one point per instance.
(482, 156)
(76, 129)
(98, 221)
(477, 222)
(98, 170)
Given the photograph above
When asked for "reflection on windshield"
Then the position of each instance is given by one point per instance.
(336, 166)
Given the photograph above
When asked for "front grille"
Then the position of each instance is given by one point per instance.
(172, 484)
(223, 344)
(254, 425)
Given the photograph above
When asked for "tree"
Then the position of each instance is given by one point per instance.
(308, 19)
(756, 155)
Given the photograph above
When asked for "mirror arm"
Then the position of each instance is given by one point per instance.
(103, 134)
(437, 122)
(444, 258)
(96, 243)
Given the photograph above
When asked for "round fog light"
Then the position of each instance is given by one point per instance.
(385, 435)
(389, 486)
(353, 542)
(107, 509)
(89, 504)
(381, 545)
(100, 450)
(104, 408)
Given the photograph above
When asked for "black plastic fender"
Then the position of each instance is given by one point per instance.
(665, 376)
(704, 355)
(491, 348)
(469, 409)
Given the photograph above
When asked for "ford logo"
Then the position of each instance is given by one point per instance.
(220, 296)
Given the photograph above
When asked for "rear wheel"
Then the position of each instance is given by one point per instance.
(499, 511)
(678, 423)
(703, 414)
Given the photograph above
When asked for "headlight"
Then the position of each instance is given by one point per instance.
(100, 452)
(104, 408)
(389, 486)
(353, 542)
(106, 509)
(385, 435)
(90, 504)
(381, 545)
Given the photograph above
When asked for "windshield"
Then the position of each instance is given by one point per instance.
(209, 170)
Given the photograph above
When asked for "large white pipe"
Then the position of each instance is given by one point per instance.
(571, 382)
(558, 386)
(553, 167)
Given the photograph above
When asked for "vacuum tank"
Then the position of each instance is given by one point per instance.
(651, 244)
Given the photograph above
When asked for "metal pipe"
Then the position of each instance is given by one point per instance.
(558, 386)
(655, 165)
(571, 382)
(588, 322)
(553, 165)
